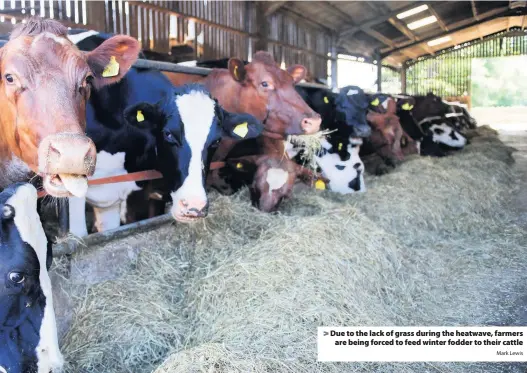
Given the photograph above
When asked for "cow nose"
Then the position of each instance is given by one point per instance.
(67, 153)
(311, 125)
(362, 131)
(193, 208)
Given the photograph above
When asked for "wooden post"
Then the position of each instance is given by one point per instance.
(262, 27)
(403, 79)
(379, 71)
(334, 69)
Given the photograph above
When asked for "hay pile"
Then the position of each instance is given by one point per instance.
(432, 243)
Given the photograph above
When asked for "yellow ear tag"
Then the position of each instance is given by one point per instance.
(340, 146)
(407, 106)
(140, 117)
(239, 165)
(320, 185)
(241, 129)
(326, 100)
(375, 102)
(236, 72)
(112, 69)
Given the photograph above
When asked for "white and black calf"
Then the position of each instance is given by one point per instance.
(345, 176)
(172, 136)
(28, 332)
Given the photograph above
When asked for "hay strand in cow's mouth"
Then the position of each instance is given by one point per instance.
(309, 146)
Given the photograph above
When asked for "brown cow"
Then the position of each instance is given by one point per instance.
(388, 137)
(44, 85)
(273, 178)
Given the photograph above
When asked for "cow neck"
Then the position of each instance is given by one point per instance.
(272, 146)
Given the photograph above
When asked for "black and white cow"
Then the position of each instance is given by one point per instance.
(344, 114)
(143, 123)
(166, 128)
(28, 332)
(459, 116)
(436, 134)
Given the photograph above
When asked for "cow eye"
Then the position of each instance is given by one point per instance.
(89, 79)
(16, 277)
(169, 137)
(10, 79)
(438, 131)
(265, 84)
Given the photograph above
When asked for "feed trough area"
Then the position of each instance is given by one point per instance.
(435, 242)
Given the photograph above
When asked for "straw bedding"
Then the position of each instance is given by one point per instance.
(432, 243)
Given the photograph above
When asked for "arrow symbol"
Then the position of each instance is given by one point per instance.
(326, 333)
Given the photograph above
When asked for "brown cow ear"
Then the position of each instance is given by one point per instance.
(111, 60)
(298, 72)
(237, 69)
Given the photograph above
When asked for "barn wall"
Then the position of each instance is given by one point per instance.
(448, 74)
(198, 30)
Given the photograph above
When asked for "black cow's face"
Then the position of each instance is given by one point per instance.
(351, 105)
(185, 127)
(27, 321)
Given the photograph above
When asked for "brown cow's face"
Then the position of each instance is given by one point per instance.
(273, 178)
(386, 135)
(44, 86)
(267, 92)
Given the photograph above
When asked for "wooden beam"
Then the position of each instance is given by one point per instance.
(491, 14)
(439, 20)
(271, 7)
(474, 10)
(377, 35)
(348, 31)
(403, 29)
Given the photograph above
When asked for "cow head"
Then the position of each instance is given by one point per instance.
(428, 106)
(386, 128)
(28, 333)
(347, 176)
(45, 82)
(264, 90)
(273, 178)
(441, 132)
(185, 126)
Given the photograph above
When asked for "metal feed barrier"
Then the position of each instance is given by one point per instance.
(68, 245)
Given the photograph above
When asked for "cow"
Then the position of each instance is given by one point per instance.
(435, 134)
(461, 119)
(344, 115)
(387, 138)
(271, 179)
(163, 127)
(28, 332)
(44, 86)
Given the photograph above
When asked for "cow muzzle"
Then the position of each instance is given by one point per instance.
(311, 125)
(65, 162)
(190, 210)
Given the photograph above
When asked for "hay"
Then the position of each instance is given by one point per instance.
(432, 243)
(309, 146)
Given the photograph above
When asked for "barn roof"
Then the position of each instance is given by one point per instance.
(373, 28)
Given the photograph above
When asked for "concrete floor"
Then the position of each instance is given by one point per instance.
(517, 138)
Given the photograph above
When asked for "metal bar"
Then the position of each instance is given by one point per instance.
(64, 217)
(69, 246)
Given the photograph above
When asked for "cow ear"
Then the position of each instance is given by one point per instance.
(143, 115)
(111, 60)
(239, 126)
(237, 69)
(298, 72)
